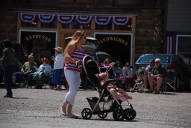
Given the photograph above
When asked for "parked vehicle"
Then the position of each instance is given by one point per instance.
(144, 59)
(91, 49)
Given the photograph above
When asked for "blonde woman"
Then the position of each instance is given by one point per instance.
(73, 55)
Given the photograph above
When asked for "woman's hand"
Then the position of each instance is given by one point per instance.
(78, 63)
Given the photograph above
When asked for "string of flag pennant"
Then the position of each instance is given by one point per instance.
(67, 19)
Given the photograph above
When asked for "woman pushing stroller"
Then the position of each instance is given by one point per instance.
(73, 55)
(110, 98)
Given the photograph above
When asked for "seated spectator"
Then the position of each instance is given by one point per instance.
(147, 73)
(157, 75)
(107, 67)
(128, 73)
(28, 67)
(43, 73)
(117, 69)
(140, 77)
(171, 74)
(126, 69)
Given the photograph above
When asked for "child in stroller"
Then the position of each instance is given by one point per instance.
(111, 98)
(117, 92)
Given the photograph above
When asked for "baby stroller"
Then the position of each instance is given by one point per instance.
(106, 102)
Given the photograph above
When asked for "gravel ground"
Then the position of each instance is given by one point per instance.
(38, 108)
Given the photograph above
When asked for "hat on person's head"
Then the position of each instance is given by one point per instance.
(157, 60)
(58, 49)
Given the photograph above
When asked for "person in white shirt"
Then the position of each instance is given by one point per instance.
(45, 67)
(58, 67)
(42, 73)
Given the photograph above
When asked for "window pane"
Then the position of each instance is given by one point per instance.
(184, 45)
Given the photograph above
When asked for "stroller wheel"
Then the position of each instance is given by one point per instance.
(86, 113)
(118, 114)
(129, 114)
(102, 115)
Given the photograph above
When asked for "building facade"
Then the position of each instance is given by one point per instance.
(124, 28)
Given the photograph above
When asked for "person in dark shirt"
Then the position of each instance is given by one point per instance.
(9, 64)
(156, 76)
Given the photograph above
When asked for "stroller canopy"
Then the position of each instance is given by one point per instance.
(91, 69)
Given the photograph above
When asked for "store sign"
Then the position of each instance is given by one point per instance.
(117, 45)
(39, 43)
(38, 36)
(112, 39)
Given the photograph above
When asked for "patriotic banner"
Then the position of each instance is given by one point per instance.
(84, 19)
(81, 19)
(65, 19)
(102, 20)
(46, 18)
(120, 20)
(170, 42)
(28, 18)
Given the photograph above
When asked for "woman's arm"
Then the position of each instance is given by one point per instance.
(67, 55)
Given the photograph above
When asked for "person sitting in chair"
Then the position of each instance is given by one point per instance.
(42, 73)
(27, 69)
(156, 78)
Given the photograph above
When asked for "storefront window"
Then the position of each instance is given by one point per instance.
(184, 44)
(39, 43)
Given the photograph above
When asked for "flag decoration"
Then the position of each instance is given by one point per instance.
(65, 19)
(46, 18)
(27, 17)
(84, 19)
(170, 42)
(102, 20)
(120, 20)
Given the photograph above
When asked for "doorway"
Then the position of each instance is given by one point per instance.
(118, 45)
(38, 43)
